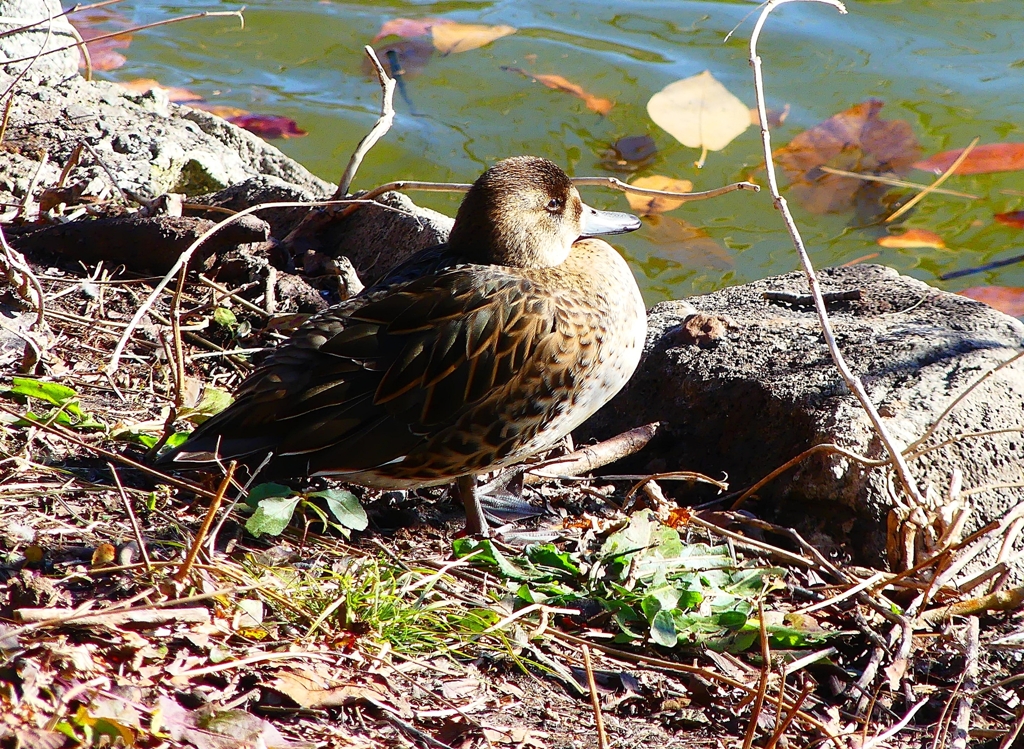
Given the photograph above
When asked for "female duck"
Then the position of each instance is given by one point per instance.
(507, 338)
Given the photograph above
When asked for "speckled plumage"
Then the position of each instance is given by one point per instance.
(504, 340)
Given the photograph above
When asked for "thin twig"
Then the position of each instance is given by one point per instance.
(852, 381)
(383, 124)
(685, 197)
(211, 513)
(136, 529)
(762, 682)
(932, 187)
(897, 183)
(143, 27)
(895, 729)
(595, 700)
(962, 721)
(182, 262)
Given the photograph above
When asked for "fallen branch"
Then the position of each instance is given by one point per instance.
(152, 617)
(383, 124)
(592, 457)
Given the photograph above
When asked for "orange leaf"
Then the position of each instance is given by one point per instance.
(558, 83)
(1013, 218)
(407, 28)
(1007, 299)
(991, 157)
(221, 110)
(913, 238)
(461, 37)
(855, 140)
(175, 94)
(647, 205)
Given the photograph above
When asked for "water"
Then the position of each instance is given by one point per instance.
(953, 69)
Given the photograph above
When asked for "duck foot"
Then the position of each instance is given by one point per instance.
(476, 523)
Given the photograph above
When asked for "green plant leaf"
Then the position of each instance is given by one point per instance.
(345, 507)
(261, 491)
(272, 515)
(663, 629)
(547, 555)
(51, 392)
(224, 316)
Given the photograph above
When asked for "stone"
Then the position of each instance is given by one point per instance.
(761, 388)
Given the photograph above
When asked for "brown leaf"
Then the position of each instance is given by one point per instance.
(913, 238)
(558, 83)
(1013, 218)
(268, 126)
(855, 140)
(1006, 299)
(407, 28)
(689, 245)
(454, 37)
(647, 206)
(991, 157)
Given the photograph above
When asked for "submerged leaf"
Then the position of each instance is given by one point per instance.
(854, 140)
(699, 112)
(408, 28)
(268, 126)
(1013, 218)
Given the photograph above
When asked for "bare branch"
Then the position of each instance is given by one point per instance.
(383, 124)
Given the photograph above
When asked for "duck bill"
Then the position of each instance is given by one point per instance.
(594, 222)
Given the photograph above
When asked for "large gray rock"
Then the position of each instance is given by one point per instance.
(763, 388)
(44, 29)
(152, 146)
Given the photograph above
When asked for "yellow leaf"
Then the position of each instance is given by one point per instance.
(647, 205)
(699, 112)
(913, 238)
(462, 37)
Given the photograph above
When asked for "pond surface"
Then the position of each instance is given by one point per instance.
(953, 69)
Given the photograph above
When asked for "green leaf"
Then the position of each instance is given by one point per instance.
(272, 516)
(663, 629)
(51, 392)
(261, 491)
(488, 554)
(732, 619)
(345, 507)
(224, 316)
(214, 401)
(547, 555)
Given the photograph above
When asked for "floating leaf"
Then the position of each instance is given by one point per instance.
(558, 83)
(699, 112)
(454, 37)
(912, 238)
(1013, 218)
(985, 159)
(223, 111)
(629, 153)
(268, 126)
(175, 94)
(408, 28)
(854, 140)
(647, 206)
(1006, 299)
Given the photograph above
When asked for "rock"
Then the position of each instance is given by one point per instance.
(152, 146)
(744, 396)
(53, 32)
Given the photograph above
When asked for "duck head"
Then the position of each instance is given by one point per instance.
(524, 212)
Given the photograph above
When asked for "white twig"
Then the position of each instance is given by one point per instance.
(962, 720)
(387, 116)
(881, 738)
(852, 381)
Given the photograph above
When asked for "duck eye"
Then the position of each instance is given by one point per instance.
(555, 205)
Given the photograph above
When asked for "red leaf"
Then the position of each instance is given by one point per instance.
(268, 125)
(991, 157)
(1013, 218)
(103, 54)
(1007, 299)
(855, 140)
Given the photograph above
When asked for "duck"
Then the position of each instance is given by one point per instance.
(469, 357)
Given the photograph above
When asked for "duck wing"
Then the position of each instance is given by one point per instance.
(373, 385)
